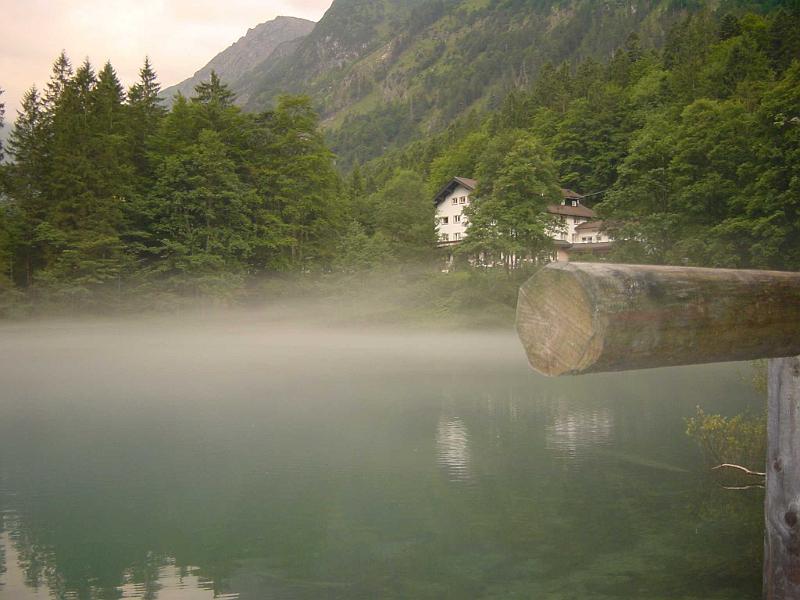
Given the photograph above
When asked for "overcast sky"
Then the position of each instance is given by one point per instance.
(180, 36)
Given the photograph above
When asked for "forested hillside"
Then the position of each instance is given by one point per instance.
(384, 73)
(692, 152)
(689, 149)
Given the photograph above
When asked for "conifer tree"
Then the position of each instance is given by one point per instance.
(108, 97)
(26, 175)
(146, 112)
(298, 180)
(59, 79)
(2, 123)
(214, 92)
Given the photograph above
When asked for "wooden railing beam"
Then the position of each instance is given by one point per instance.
(578, 318)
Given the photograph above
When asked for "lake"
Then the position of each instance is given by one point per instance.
(240, 457)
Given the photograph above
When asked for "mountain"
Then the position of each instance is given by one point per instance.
(258, 48)
(384, 72)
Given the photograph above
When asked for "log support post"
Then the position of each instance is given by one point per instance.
(782, 502)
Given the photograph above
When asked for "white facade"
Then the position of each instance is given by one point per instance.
(567, 230)
(451, 223)
(591, 233)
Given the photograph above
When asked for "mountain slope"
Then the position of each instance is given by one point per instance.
(262, 44)
(383, 72)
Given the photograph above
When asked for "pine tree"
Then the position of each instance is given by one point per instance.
(108, 98)
(729, 27)
(26, 181)
(146, 112)
(2, 123)
(298, 180)
(59, 79)
(214, 92)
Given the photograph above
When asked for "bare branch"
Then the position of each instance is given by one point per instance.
(742, 487)
(741, 468)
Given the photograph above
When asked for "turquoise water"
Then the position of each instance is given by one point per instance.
(238, 458)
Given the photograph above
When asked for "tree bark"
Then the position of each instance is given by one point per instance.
(592, 317)
(782, 503)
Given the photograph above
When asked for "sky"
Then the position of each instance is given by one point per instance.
(179, 36)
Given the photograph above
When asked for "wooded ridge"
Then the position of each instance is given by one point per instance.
(689, 150)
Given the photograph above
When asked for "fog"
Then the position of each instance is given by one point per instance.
(212, 355)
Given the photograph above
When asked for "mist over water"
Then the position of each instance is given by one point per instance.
(238, 455)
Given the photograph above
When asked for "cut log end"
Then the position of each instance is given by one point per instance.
(556, 346)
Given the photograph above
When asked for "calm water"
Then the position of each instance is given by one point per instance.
(241, 459)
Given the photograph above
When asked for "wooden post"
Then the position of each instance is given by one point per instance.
(782, 502)
(586, 318)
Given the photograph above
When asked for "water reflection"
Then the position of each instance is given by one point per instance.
(193, 465)
(31, 572)
(452, 449)
(171, 582)
(576, 429)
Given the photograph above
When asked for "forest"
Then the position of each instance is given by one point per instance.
(690, 153)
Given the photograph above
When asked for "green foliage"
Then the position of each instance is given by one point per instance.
(508, 221)
(739, 440)
(107, 190)
(404, 215)
(2, 123)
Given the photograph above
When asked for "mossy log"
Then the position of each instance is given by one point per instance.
(576, 318)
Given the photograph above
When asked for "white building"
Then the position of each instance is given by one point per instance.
(451, 222)
(579, 230)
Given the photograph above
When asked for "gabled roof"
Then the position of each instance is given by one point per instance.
(590, 225)
(467, 182)
(571, 211)
(470, 184)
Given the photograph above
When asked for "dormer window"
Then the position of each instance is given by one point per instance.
(463, 199)
(455, 201)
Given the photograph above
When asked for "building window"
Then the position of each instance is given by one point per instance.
(455, 200)
(456, 218)
(444, 237)
(443, 220)
(456, 236)
(463, 199)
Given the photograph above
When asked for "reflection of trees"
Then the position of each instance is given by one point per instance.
(2, 547)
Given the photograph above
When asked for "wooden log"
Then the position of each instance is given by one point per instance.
(578, 318)
(782, 502)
